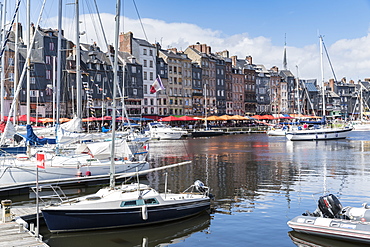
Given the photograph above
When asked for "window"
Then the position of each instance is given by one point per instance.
(51, 46)
(145, 52)
(34, 93)
(133, 69)
(47, 60)
(48, 74)
(151, 76)
(145, 75)
(151, 64)
(134, 91)
(33, 80)
(98, 77)
(145, 63)
(151, 52)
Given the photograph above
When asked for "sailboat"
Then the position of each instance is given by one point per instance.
(206, 132)
(87, 162)
(128, 204)
(319, 133)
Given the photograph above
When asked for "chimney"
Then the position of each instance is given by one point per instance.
(275, 69)
(331, 84)
(174, 50)
(225, 53)
(20, 31)
(203, 48)
(208, 49)
(233, 60)
(249, 59)
(125, 42)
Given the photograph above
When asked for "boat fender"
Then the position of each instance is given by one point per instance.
(144, 212)
(87, 173)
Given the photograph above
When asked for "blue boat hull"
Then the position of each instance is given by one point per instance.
(79, 220)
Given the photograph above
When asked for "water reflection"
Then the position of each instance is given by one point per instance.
(155, 235)
(307, 240)
(259, 183)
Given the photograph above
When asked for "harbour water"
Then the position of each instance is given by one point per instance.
(259, 183)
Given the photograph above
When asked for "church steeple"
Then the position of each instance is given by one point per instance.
(285, 63)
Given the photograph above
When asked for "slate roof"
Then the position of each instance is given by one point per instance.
(142, 42)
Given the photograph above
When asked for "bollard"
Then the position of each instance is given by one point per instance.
(6, 210)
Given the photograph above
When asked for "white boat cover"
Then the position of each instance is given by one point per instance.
(102, 150)
(75, 125)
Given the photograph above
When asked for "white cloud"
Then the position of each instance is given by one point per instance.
(350, 58)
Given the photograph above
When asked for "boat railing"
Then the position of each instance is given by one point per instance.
(197, 188)
(50, 194)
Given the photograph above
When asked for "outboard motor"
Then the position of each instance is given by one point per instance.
(199, 185)
(330, 206)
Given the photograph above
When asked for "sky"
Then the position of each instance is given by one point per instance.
(256, 28)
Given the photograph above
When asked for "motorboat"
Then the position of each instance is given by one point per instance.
(206, 133)
(164, 132)
(277, 131)
(332, 220)
(317, 134)
(125, 206)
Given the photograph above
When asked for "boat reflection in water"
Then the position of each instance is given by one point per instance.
(154, 235)
(308, 240)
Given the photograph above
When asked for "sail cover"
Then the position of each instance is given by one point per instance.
(33, 140)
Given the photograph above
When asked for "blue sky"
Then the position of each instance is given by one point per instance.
(255, 28)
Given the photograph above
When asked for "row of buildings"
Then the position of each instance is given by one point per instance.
(197, 81)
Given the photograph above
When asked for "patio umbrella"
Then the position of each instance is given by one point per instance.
(225, 117)
(268, 117)
(23, 118)
(258, 117)
(46, 120)
(169, 119)
(186, 118)
(64, 119)
(214, 118)
(89, 119)
(238, 117)
(105, 118)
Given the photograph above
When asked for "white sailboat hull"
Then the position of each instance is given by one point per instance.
(18, 174)
(318, 134)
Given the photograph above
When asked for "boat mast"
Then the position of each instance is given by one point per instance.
(298, 104)
(59, 61)
(114, 96)
(322, 76)
(16, 72)
(3, 63)
(28, 64)
(205, 105)
(78, 61)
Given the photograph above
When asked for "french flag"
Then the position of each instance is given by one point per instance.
(157, 85)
